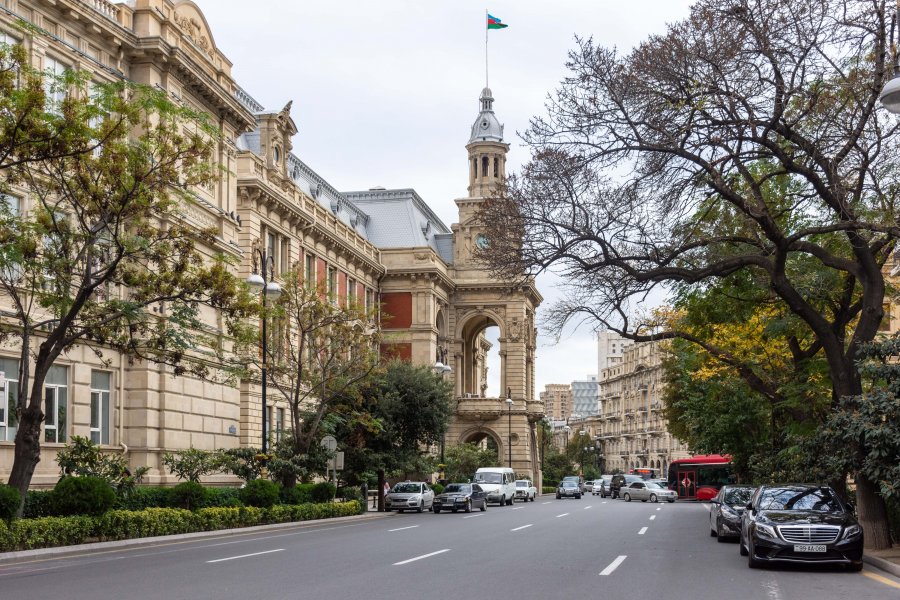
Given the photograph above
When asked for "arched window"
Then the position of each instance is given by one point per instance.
(496, 167)
(484, 166)
(475, 168)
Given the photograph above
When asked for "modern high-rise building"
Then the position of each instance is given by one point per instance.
(586, 396)
(557, 399)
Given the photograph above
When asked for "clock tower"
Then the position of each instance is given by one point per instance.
(487, 172)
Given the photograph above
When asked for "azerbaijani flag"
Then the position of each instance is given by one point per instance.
(494, 23)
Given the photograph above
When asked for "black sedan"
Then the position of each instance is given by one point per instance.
(460, 496)
(568, 489)
(726, 510)
(800, 524)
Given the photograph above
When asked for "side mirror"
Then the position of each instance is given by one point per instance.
(714, 501)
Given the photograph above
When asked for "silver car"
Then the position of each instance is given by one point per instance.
(647, 490)
(409, 495)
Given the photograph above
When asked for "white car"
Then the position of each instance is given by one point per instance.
(525, 490)
(409, 495)
(647, 490)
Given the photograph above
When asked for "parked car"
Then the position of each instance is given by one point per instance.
(588, 486)
(619, 481)
(800, 523)
(460, 496)
(601, 486)
(409, 495)
(646, 490)
(525, 490)
(577, 479)
(726, 510)
(568, 489)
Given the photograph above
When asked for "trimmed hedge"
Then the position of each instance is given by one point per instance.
(323, 492)
(9, 501)
(548, 490)
(260, 492)
(299, 494)
(188, 495)
(47, 532)
(82, 496)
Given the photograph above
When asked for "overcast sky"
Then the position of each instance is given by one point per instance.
(385, 91)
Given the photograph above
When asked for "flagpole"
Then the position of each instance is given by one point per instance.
(486, 81)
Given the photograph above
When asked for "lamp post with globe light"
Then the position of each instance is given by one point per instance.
(441, 368)
(262, 281)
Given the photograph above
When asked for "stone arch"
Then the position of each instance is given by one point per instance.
(478, 435)
(472, 366)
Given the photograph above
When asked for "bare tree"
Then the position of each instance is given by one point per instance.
(747, 137)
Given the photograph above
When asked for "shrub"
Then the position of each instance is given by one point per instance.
(323, 492)
(192, 464)
(145, 497)
(548, 490)
(261, 493)
(188, 495)
(438, 488)
(47, 532)
(82, 457)
(82, 496)
(127, 524)
(9, 502)
(242, 463)
(223, 497)
(38, 503)
(299, 494)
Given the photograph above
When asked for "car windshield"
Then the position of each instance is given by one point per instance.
(522, 484)
(488, 478)
(569, 484)
(407, 488)
(457, 488)
(796, 498)
(655, 486)
(738, 496)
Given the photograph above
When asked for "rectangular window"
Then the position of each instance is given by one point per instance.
(285, 254)
(332, 284)
(56, 405)
(100, 407)
(55, 90)
(279, 424)
(351, 293)
(271, 248)
(310, 270)
(9, 395)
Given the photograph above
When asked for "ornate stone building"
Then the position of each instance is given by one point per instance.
(633, 428)
(375, 246)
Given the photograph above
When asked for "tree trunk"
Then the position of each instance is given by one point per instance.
(27, 452)
(872, 514)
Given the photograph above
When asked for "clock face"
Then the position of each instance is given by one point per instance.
(481, 241)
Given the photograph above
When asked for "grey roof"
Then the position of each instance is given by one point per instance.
(486, 127)
(401, 219)
(444, 242)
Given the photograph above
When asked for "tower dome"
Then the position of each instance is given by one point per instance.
(486, 127)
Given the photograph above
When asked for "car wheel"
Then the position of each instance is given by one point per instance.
(627, 497)
(510, 501)
(421, 506)
(743, 549)
(653, 498)
(751, 559)
(468, 506)
(435, 509)
(484, 506)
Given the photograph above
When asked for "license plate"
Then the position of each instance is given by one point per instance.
(808, 548)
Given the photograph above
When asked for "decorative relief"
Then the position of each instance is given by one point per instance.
(193, 30)
(514, 330)
(422, 255)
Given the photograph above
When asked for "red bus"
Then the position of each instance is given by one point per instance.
(700, 477)
(645, 472)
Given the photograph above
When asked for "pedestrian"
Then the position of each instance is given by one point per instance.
(387, 489)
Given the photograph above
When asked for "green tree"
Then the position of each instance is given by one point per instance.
(464, 459)
(556, 466)
(724, 145)
(404, 412)
(102, 250)
(320, 351)
(192, 464)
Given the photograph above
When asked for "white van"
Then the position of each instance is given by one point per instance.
(498, 482)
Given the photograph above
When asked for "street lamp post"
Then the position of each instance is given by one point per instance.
(262, 280)
(509, 403)
(441, 368)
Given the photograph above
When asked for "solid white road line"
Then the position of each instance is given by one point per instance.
(522, 527)
(473, 516)
(652, 517)
(587, 507)
(562, 515)
(402, 528)
(244, 556)
(409, 560)
(614, 565)
(642, 531)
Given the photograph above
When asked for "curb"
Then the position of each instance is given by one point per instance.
(885, 565)
(7, 558)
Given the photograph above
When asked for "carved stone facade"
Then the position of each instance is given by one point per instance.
(437, 300)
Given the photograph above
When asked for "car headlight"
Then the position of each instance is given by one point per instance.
(851, 531)
(766, 531)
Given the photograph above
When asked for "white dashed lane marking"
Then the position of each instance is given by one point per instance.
(562, 515)
(402, 528)
(409, 560)
(218, 560)
(652, 517)
(522, 527)
(642, 531)
(613, 565)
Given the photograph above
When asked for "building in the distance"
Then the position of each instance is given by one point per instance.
(557, 399)
(586, 396)
(634, 430)
(610, 348)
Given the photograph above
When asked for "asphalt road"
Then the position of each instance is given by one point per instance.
(588, 548)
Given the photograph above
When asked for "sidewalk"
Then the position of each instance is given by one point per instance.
(886, 560)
